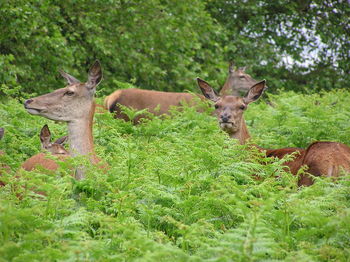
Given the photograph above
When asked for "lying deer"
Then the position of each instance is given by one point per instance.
(56, 149)
(75, 105)
(321, 158)
(159, 103)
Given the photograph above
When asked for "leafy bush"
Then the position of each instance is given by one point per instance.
(178, 189)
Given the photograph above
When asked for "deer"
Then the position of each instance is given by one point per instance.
(56, 149)
(320, 158)
(159, 103)
(156, 102)
(75, 105)
(238, 82)
(3, 167)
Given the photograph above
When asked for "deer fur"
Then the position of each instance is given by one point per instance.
(238, 82)
(75, 105)
(320, 158)
(56, 149)
(3, 166)
(159, 103)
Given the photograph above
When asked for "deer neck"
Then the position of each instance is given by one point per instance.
(80, 136)
(242, 134)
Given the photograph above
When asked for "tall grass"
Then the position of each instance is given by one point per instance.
(178, 189)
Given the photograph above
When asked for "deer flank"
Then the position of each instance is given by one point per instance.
(156, 102)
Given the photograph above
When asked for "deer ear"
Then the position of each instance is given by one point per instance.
(207, 90)
(95, 75)
(62, 140)
(45, 136)
(255, 92)
(70, 79)
(2, 131)
(231, 67)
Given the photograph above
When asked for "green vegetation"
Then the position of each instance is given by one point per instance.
(164, 45)
(179, 189)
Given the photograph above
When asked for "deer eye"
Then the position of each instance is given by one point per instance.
(69, 93)
(242, 107)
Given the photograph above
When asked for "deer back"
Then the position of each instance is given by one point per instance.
(156, 102)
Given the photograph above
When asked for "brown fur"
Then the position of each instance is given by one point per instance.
(151, 100)
(237, 83)
(320, 158)
(325, 159)
(139, 99)
(294, 164)
(3, 166)
(56, 149)
(73, 104)
(42, 160)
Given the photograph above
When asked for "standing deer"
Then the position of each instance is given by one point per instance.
(75, 105)
(56, 148)
(321, 158)
(159, 103)
(238, 82)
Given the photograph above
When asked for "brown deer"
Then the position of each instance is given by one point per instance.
(325, 158)
(56, 149)
(156, 102)
(3, 167)
(238, 82)
(159, 103)
(321, 158)
(75, 105)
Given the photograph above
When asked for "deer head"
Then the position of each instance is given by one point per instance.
(238, 82)
(55, 147)
(229, 109)
(69, 103)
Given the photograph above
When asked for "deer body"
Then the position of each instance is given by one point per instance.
(139, 99)
(159, 103)
(321, 158)
(75, 105)
(325, 158)
(56, 149)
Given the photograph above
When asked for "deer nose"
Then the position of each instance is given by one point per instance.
(225, 118)
(27, 102)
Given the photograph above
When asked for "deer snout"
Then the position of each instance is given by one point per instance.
(225, 118)
(27, 102)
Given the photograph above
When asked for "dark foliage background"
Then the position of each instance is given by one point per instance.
(164, 45)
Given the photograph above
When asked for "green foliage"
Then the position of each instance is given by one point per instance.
(165, 45)
(299, 45)
(156, 44)
(178, 189)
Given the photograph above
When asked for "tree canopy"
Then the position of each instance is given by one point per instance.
(164, 45)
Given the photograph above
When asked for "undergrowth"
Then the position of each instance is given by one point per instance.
(178, 189)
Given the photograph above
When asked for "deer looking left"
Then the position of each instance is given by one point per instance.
(75, 105)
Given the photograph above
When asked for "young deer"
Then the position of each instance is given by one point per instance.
(237, 83)
(139, 99)
(321, 158)
(75, 105)
(56, 148)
